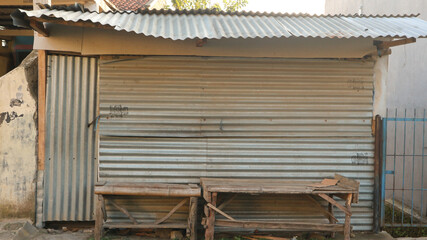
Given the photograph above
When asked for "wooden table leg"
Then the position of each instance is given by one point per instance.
(99, 217)
(210, 220)
(192, 219)
(347, 227)
(331, 220)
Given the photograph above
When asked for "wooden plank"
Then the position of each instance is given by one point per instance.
(346, 182)
(41, 109)
(99, 217)
(13, 32)
(192, 219)
(281, 225)
(179, 225)
(16, 3)
(388, 44)
(123, 210)
(172, 211)
(220, 212)
(335, 203)
(325, 212)
(148, 191)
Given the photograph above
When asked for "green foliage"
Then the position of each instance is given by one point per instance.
(227, 5)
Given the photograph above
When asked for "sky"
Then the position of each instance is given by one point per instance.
(296, 6)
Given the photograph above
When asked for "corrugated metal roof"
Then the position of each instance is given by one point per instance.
(180, 25)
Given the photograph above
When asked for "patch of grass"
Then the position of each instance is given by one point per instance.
(402, 231)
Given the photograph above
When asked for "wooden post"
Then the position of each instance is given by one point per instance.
(331, 220)
(210, 220)
(192, 219)
(99, 217)
(347, 227)
(41, 108)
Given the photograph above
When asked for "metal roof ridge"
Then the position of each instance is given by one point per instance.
(79, 8)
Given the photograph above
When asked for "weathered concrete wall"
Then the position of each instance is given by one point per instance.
(18, 135)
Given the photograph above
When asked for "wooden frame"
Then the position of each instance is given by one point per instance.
(109, 190)
(345, 188)
(42, 59)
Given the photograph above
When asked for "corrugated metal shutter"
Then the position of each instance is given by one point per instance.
(70, 144)
(176, 119)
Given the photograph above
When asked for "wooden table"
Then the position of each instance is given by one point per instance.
(103, 190)
(345, 188)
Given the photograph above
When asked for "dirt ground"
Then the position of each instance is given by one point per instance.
(21, 229)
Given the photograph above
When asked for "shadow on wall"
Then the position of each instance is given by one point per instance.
(18, 137)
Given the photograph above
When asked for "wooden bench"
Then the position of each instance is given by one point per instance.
(344, 188)
(104, 190)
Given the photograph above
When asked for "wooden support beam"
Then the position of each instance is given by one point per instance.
(179, 225)
(171, 211)
(192, 219)
(327, 214)
(335, 203)
(99, 217)
(16, 3)
(123, 210)
(13, 32)
(220, 212)
(388, 44)
(295, 226)
(42, 58)
(39, 27)
(347, 226)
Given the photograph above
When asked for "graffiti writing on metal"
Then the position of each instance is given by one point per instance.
(360, 159)
(118, 111)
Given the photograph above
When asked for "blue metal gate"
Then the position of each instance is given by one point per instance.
(403, 186)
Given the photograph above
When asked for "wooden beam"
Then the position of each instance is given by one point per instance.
(179, 225)
(220, 212)
(39, 27)
(327, 214)
(11, 33)
(304, 226)
(41, 108)
(99, 216)
(388, 44)
(171, 211)
(335, 203)
(123, 210)
(192, 219)
(16, 2)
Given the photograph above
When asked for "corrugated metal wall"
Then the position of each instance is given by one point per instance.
(70, 144)
(176, 119)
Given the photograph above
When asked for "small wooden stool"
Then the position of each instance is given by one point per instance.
(103, 190)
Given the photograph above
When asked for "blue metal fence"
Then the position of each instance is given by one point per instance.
(403, 191)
